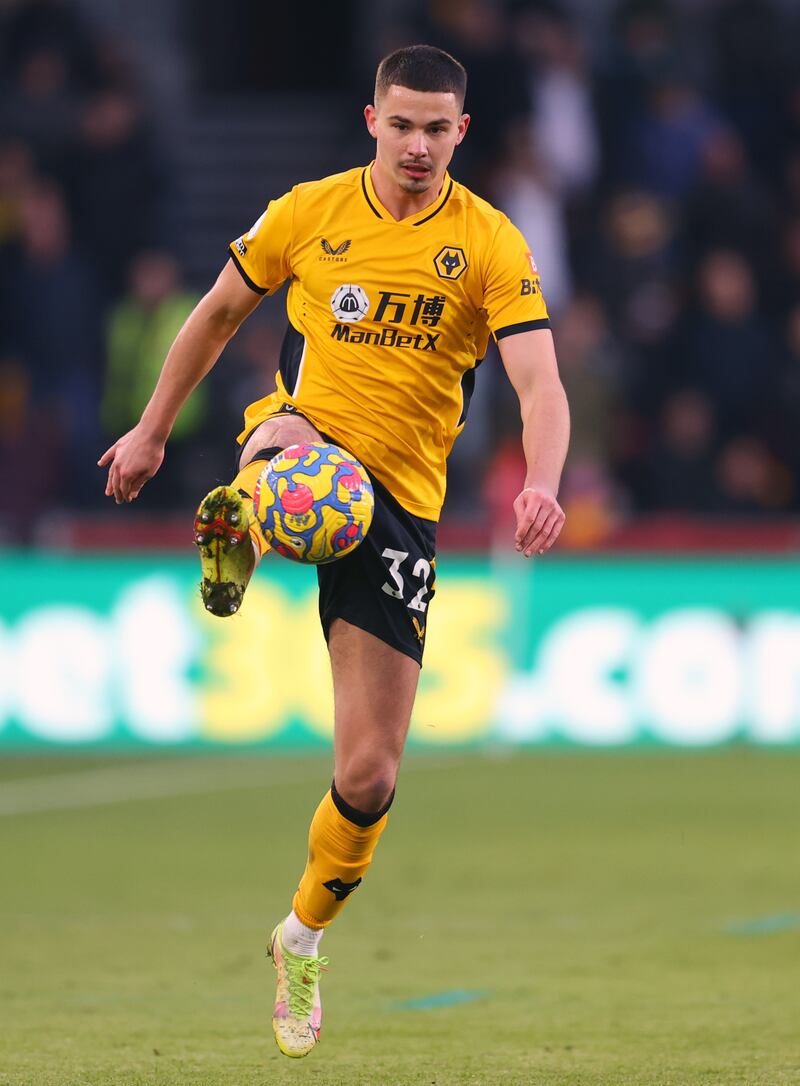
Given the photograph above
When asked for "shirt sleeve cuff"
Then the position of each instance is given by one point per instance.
(244, 275)
(523, 326)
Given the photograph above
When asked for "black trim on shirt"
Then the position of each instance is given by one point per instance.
(366, 194)
(292, 348)
(245, 276)
(467, 388)
(523, 326)
(419, 222)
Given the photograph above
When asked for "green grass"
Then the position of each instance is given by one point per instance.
(588, 896)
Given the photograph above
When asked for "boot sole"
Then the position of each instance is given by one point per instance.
(226, 556)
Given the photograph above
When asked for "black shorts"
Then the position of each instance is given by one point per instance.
(385, 585)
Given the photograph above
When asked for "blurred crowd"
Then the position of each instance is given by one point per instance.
(80, 184)
(654, 167)
(650, 154)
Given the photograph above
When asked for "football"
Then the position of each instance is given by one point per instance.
(314, 502)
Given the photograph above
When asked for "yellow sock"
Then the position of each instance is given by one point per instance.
(246, 481)
(339, 853)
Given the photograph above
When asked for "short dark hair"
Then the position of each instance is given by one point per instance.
(422, 68)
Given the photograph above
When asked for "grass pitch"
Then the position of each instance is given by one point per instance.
(548, 918)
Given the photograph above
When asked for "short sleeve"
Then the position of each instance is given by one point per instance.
(512, 293)
(263, 254)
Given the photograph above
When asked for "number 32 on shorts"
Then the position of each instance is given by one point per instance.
(421, 571)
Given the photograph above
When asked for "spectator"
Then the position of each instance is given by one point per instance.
(30, 470)
(729, 208)
(112, 176)
(54, 25)
(678, 472)
(634, 263)
(753, 61)
(49, 307)
(16, 174)
(522, 187)
(749, 479)
(477, 32)
(501, 484)
(726, 347)
(591, 364)
(249, 365)
(562, 122)
(784, 416)
(791, 181)
(141, 328)
(783, 275)
(593, 502)
(664, 146)
(40, 107)
(645, 37)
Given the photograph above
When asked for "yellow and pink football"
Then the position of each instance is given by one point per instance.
(314, 502)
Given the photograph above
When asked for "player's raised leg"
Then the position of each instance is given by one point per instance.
(374, 688)
(224, 521)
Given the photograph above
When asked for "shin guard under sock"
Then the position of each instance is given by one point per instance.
(340, 846)
(245, 483)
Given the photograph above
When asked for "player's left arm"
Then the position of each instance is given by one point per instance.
(530, 361)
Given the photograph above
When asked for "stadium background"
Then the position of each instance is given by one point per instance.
(650, 150)
(651, 154)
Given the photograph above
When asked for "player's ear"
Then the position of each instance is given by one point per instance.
(370, 118)
(463, 125)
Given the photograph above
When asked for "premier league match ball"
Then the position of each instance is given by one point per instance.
(314, 503)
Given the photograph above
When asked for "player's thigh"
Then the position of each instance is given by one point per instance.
(374, 686)
(280, 430)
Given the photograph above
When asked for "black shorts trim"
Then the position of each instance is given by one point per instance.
(524, 326)
(244, 275)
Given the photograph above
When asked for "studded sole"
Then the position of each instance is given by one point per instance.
(226, 557)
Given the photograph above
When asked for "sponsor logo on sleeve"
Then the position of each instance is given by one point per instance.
(250, 235)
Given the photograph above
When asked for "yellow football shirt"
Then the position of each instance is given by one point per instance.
(388, 319)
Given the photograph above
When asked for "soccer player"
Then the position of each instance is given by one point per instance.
(398, 277)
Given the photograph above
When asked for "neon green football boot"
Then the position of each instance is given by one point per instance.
(297, 1017)
(227, 559)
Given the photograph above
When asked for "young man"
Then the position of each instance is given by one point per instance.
(398, 277)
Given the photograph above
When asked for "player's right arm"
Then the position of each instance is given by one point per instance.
(136, 456)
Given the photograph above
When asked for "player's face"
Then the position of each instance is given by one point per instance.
(416, 133)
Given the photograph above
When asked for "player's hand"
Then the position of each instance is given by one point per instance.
(539, 520)
(131, 460)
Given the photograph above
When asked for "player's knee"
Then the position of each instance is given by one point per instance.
(279, 432)
(366, 784)
(289, 430)
(296, 431)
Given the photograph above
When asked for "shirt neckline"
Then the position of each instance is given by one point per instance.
(415, 219)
